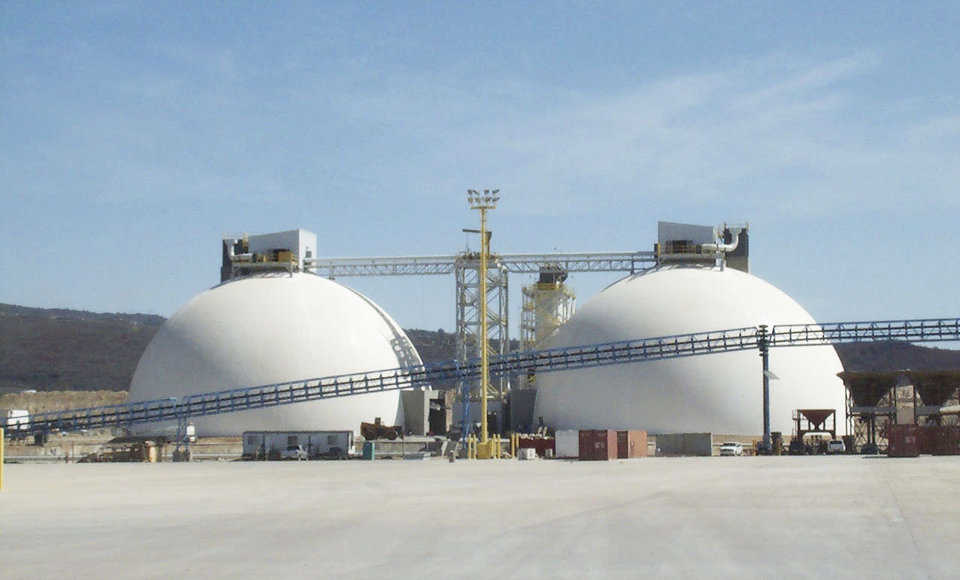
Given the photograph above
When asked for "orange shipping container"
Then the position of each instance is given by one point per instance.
(632, 443)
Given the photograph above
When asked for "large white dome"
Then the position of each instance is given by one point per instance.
(719, 393)
(270, 329)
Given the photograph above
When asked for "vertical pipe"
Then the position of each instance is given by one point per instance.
(916, 418)
(764, 346)
(765, 354)
(465, 409)
(484, 362)
(1, 458)
(503, 379)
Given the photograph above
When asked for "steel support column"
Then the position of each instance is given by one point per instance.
(764, 347)
(469, 305)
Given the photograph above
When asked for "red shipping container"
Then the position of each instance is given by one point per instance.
(939, 440)
(929, 435)
(946, 440)
(631, 444)
(598, 444)
(903, 441)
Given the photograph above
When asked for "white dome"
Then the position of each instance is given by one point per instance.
(272, 329)
(718, 393)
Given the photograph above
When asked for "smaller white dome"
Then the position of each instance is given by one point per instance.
(720, 393)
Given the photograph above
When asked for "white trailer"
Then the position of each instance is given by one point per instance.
(567, 443)
(316, 444)
(14, 419)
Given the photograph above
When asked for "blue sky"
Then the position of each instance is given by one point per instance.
(133, 135)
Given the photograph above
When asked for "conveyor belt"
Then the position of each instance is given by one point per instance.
(550, 360)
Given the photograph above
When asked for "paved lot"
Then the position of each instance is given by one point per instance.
(667, 517)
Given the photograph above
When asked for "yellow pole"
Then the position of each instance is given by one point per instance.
(484, 201)
(1, 458)
(484, 362)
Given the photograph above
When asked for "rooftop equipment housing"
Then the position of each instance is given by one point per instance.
(289, 251)
(725, 245)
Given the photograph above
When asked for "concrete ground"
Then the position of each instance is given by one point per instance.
(706, 517)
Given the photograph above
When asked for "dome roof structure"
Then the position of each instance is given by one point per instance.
(719, 393)
(270, 329)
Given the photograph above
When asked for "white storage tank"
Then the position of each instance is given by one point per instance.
(718, 393)
(270, 329)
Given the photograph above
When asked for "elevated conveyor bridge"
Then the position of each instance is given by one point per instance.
(466, 270)
(550, 360)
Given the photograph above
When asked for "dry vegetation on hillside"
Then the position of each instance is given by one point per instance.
(67, 349)
(58, 400)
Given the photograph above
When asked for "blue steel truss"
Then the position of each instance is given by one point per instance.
(917, 330)
(233, 400)
(549, 360)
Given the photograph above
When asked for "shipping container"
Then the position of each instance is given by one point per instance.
(631, 444)
(939, 439)
(567, 443)
(903, 441)
(598, 444)
(946, 440)
(927, 437)
(696, 444)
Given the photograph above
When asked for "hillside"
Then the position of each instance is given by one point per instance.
(58, 349)
(70, 350)
(895, 356)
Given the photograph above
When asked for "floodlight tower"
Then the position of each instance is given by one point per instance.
(483, 201)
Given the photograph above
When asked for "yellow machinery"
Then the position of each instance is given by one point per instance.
(492, 449)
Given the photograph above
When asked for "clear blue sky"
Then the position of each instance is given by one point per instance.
(133, 135)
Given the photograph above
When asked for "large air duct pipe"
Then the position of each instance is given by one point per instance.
(720, 250)
(723, 248)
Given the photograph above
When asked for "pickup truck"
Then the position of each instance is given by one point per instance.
(731, 448)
